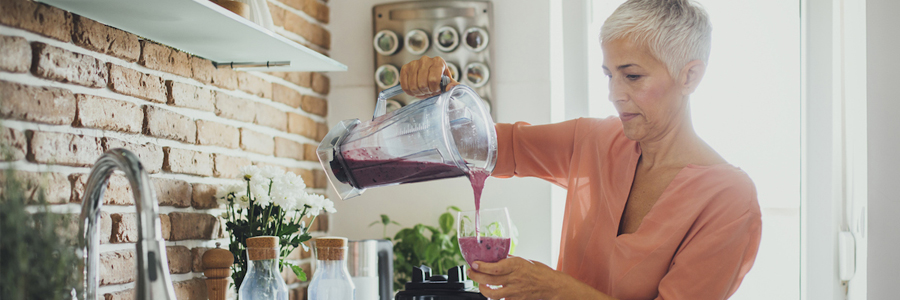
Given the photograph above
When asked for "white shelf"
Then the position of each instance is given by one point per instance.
(202, 28)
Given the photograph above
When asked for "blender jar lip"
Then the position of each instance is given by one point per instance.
(329, 153)
(491, 160)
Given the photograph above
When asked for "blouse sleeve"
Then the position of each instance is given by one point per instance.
(542, 151)
(712, 263)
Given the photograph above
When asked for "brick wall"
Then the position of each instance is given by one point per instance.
(72, 88)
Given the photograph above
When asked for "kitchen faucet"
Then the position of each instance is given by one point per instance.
(153, 280)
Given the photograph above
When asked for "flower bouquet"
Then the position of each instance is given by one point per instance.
(271, 202)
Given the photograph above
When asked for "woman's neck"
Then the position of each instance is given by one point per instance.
(677, 147)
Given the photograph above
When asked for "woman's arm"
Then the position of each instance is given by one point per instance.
(543, 151)
(523, 279)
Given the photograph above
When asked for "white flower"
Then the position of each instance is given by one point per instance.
(249, 172)
(329, 206)
(263, 200)
(293, 180)
(300, 203)
(259, 190)
(286, 203)
(286, 190)
(222, 192)
(305, 201)
(270, 172)
(316, 203)
(229, 192)
(259, 181)
(283, 195)
(243, 201)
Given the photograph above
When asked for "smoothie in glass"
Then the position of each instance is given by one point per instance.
(490, 249)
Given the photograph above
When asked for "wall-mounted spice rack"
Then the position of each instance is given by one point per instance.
(202, 28)
(459, 31)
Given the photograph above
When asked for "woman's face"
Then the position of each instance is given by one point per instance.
(649, 101)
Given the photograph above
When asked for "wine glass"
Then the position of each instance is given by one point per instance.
(488, 240)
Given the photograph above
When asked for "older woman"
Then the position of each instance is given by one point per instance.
(652, 211)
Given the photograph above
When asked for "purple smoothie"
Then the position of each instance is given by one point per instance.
(491, 249)
(372, 173)
(369, 170)
(477, 176)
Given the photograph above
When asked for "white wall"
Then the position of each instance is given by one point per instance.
(884, 142)
(521, 70)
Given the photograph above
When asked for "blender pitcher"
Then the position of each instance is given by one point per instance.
(439, 137)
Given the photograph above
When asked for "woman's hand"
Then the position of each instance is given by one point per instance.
(523, 279)
(422, 77)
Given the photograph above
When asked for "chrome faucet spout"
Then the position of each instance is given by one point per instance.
(153, 280)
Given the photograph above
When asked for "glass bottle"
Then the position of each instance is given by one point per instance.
(331, 280)
(263, 279)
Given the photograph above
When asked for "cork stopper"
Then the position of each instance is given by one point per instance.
(331, 248)
(217, 268)
(262, 248)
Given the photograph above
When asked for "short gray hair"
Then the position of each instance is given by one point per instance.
(676, 31)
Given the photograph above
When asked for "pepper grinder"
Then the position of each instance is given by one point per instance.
(217, 264)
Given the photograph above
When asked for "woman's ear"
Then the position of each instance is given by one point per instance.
(691, 75)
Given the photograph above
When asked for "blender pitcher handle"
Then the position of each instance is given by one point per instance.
(381, 104)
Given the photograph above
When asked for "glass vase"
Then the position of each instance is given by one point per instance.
(263, 280)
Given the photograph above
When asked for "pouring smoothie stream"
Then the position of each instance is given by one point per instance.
(477, 177)
(494, 244)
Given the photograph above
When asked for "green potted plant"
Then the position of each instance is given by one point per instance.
(433, 246)
(37, 255)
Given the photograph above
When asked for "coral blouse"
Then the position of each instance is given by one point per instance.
(697, 242)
